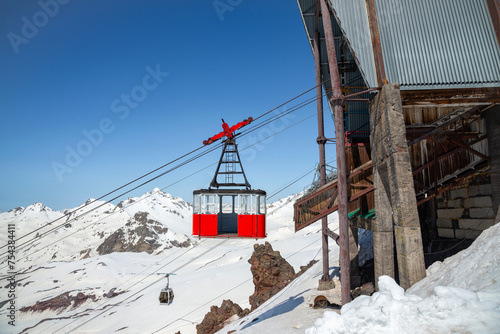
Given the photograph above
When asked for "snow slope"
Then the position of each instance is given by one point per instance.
(206, 272)
(460, 295)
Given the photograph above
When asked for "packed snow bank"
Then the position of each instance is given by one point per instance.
(476, 268)
(460, 295)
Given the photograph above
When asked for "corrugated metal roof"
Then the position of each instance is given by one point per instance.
(426, 44)
(438, 44)
(356, 113)
(352, 23)
(352, 18)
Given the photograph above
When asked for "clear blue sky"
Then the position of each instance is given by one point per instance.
(131, 85)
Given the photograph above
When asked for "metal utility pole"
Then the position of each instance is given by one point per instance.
(321, 140)
(337, 101)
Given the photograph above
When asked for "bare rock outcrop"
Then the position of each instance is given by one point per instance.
(218, 317)
(271, 273)
(59, 303)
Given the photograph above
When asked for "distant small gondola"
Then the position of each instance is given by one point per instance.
(166, 294)
(236, 212)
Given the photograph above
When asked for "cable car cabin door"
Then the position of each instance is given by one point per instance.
(228, 223)
(227, 217)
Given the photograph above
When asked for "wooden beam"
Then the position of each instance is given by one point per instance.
(430, 163)
(450, 96)
(494, 9)
(470, 149)
(460, 180)
(445, 124)
(333, 235)
(376, 46)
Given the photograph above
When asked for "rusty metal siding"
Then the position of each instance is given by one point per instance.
(438, 44)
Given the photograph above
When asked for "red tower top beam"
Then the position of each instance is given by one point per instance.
(228, 131)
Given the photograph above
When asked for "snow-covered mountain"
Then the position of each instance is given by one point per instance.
(152, 223)
(109, 260)
(69, 282)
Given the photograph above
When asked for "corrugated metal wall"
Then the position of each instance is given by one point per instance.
(438, 44)
(356, 113)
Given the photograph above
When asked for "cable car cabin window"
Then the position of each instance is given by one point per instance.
(210, 204)
(227, 204)
(262, 205)
(196, 204)
(247, 204)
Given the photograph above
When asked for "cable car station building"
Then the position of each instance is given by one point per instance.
(414, 91)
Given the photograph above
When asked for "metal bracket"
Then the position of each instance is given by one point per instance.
(321, 140)
(338, 102)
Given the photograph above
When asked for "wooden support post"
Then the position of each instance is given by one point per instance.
(394, 192)
(337, 101)
(354, 257)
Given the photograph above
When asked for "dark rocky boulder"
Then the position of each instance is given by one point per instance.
(271, 273)
(218, 317)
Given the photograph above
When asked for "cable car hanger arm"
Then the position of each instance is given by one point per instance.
(228, 131)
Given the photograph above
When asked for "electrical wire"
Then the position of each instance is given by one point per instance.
(297, 96)
(291, 183)
(101, 197)
(143, 198)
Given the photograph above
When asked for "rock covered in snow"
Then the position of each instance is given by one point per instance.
(139, 234)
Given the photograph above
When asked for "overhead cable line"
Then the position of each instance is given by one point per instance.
(244, 282)
(186, 177)
(291, 183)
(104, 203)
(294, 98)
(101, 197)
(300, 105)
(142, 289)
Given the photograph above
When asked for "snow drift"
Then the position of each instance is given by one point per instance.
(459, 295)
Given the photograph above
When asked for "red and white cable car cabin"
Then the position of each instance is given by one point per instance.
(229, 212)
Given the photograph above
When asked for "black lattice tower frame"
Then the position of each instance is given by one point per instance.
(230, 158)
